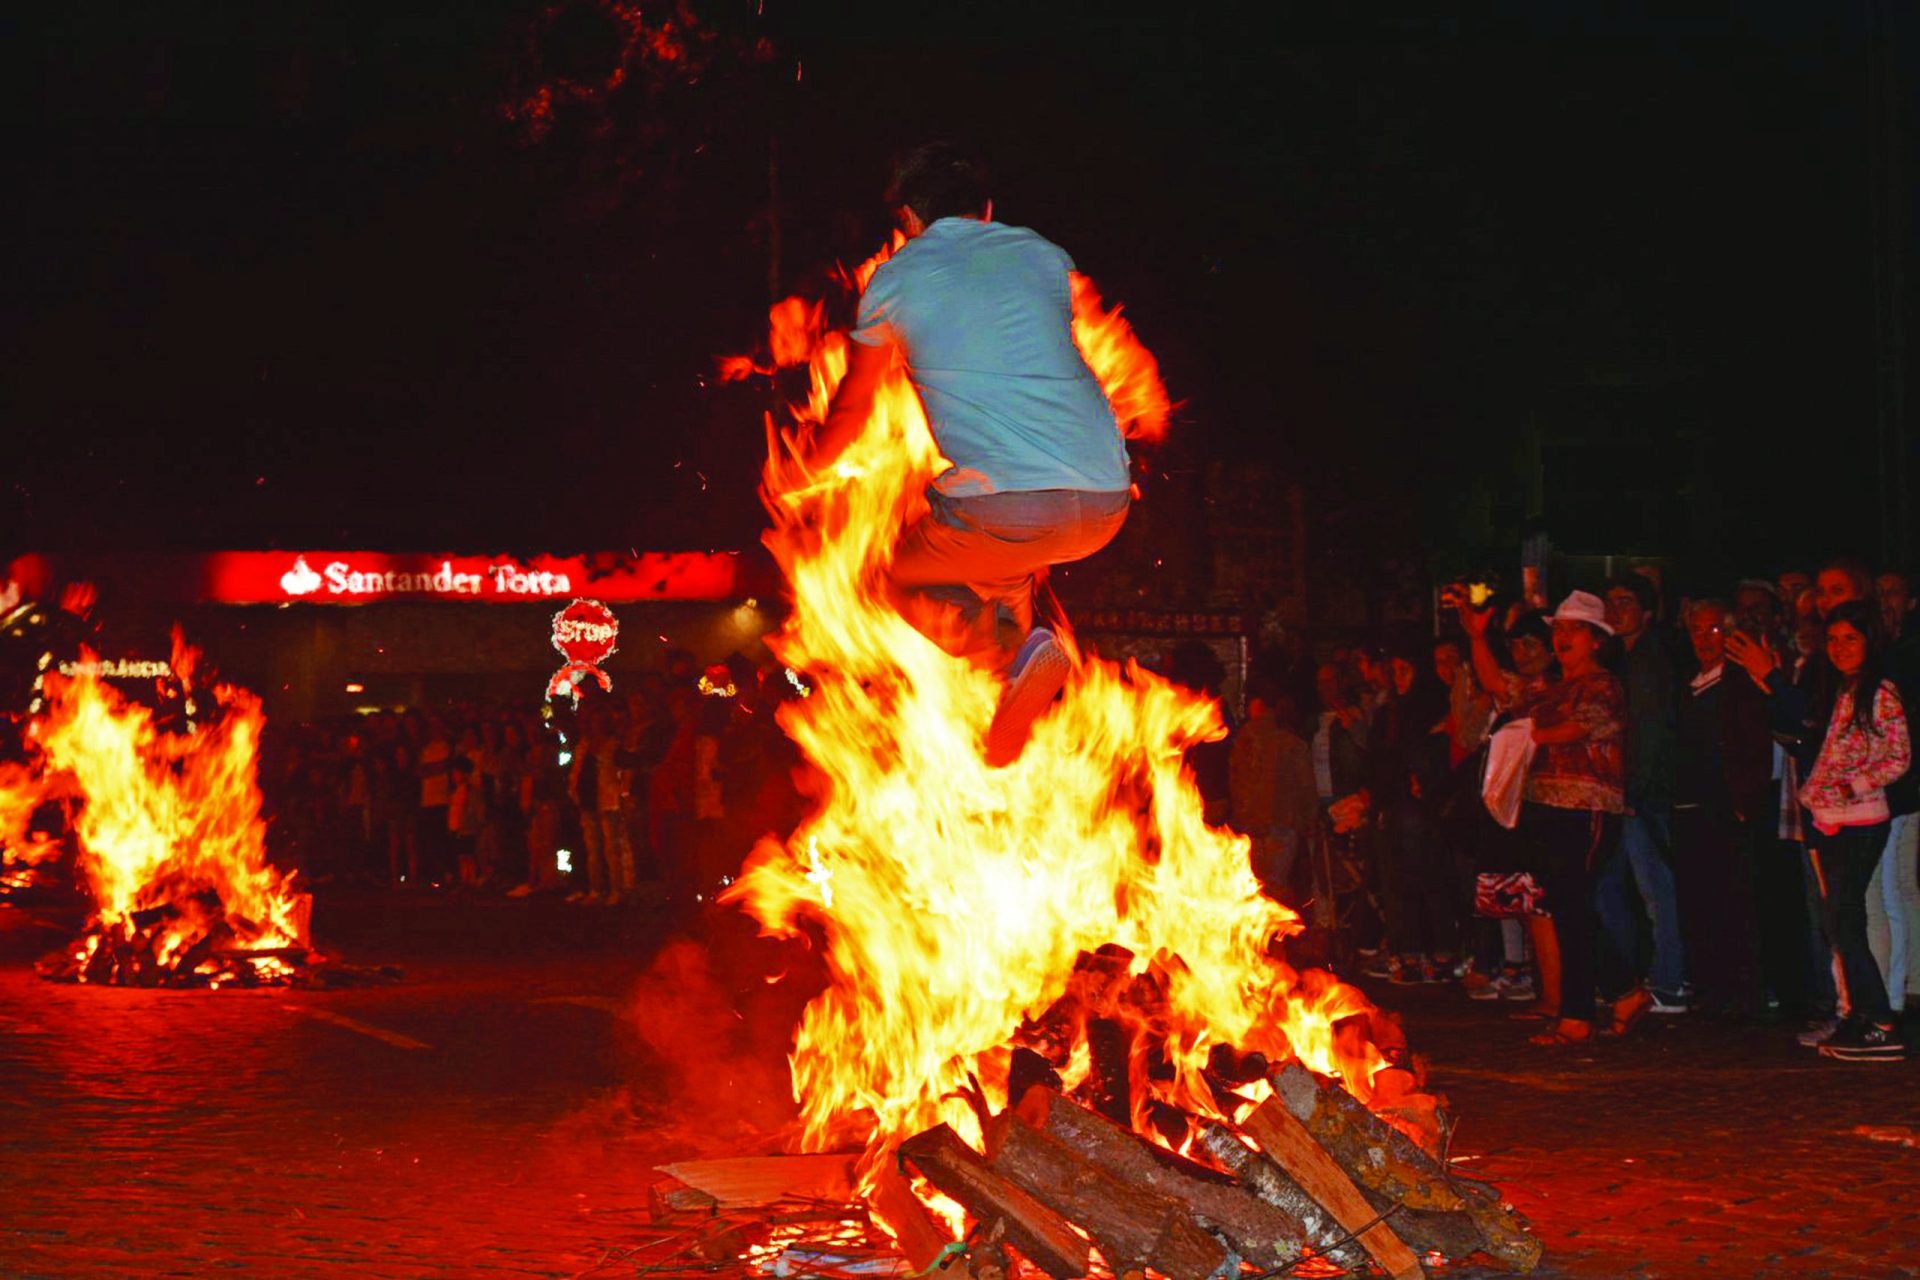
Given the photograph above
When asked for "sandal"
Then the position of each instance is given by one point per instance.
(1562, 1033)
(1629, 1009)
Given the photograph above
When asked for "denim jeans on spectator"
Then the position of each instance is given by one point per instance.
(1893, 910)
(1645, 857)
(1847, 859)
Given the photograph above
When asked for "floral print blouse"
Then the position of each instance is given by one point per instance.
(1590, 773)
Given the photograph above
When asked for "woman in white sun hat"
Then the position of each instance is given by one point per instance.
(1575, 793)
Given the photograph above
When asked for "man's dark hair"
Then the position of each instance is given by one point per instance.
(1641, 588)
(1531, 623)
(939, 180)
(1855, 569)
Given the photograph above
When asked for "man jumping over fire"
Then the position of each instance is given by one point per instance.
(982, 315)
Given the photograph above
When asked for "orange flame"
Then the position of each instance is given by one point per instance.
(955, 898)
(166, 820)
(1126, 369)
(22, 791)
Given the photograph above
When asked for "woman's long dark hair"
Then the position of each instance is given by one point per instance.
(1864, 618)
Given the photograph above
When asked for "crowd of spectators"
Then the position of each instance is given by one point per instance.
(1707, 811)
(1595, 813)
(632, 799)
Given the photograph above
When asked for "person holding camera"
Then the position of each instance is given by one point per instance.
(1723, 820)
(1574, 794)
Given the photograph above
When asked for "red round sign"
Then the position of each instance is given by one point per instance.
(585, 633)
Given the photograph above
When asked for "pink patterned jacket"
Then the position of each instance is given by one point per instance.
(1848, 785)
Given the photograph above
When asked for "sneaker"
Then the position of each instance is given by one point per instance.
(1429, 972)
(1040, 670)
(1379, 965)
(1486, 988)
(1520, 988)
(1669, 1002)
(1818, 1032)
(1866, 1042)
(1403, 973)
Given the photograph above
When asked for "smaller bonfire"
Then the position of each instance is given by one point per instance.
(167, 834)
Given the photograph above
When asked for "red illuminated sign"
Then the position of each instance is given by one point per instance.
(368, 577)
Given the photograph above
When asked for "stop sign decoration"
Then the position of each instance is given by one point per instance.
(585, 633)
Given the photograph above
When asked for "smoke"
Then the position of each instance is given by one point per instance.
(715, 1023)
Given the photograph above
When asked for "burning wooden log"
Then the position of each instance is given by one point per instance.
(1259, 1231)
(1132, 1226)
(892, 1202)
(1308, 1168)
(1036, 1230)
(1111, 1095)
(1374, 1153)
(1393, 1169)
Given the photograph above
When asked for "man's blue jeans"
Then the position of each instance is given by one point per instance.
(1644, 858)
(990, 548)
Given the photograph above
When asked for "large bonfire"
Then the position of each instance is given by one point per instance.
(974, 916)
(168, 832)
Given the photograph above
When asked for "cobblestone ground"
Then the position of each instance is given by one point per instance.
(495, 1115)
(1687, 1149)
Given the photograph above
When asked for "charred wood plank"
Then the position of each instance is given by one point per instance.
(1028, 1069)
(1319, 1225)
(1258, 1231)
(892, 1202)
(1108, 1087)
(960, 1171)
(1390, 1165)
(1373, 1152)
(751, 1181)
(1286, 1142)
(1132, 1226)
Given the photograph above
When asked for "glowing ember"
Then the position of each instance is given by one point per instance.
(171, 843)
(961, 904)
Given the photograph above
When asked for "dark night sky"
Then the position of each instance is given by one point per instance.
(283, 274)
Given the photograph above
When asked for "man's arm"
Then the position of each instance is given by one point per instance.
(852, 402)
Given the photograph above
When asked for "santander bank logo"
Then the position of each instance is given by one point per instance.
(299, 580)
